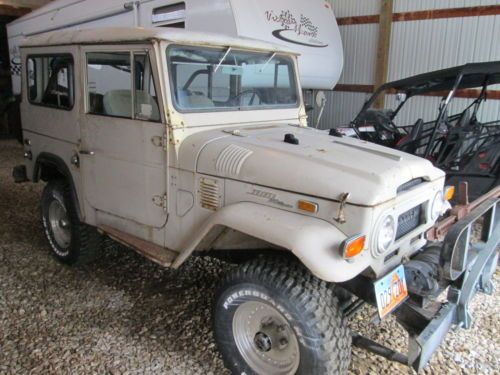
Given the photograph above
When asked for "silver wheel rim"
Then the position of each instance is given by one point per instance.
(59, 224)
(265, 339)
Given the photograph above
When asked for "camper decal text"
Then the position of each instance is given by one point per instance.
(297, 30)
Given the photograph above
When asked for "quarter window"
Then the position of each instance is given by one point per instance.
(50, 80)
(118, 88)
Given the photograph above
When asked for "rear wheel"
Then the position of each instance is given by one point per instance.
(71, 241)
(273, 317)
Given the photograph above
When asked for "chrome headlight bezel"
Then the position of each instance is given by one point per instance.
(437, 205)
(385, 234)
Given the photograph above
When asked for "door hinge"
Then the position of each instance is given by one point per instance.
(160, 141)
(160, 201)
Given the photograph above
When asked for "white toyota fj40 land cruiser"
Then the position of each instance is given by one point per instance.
(174, 143)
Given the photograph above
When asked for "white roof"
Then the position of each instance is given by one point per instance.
(103, 35)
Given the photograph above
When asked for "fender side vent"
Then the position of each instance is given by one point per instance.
(231, 159)
(209, 194)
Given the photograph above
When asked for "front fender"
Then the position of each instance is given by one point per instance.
(314, 241)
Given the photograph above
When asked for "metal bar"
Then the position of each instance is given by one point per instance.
(459, 211)
(442, 111)
(471, 281)
(353, 308)
(376, 348)
(421, 347)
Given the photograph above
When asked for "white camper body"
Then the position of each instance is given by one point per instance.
(308, 27)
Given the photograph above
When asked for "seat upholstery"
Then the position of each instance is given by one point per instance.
(118, 103)
(194, 100)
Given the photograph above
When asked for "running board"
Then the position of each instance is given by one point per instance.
(156, 253)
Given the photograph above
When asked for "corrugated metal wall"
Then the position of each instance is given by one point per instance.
(416, 47)
(414, 5)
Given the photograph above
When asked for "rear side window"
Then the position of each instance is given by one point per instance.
(50, 80)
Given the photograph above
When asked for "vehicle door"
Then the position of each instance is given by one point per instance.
(122, 155)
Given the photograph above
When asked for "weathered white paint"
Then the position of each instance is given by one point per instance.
(123, 172)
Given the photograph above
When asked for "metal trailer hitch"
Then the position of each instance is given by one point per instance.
(464, 267)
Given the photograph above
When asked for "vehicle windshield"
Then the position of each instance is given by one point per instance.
(208, 79)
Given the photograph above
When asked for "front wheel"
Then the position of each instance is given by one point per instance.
(273, 317)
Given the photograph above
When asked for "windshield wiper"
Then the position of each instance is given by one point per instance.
(221, 60)
(267, 62)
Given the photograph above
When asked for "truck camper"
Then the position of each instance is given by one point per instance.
(307, 27)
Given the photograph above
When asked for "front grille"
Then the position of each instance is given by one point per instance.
(408, 221)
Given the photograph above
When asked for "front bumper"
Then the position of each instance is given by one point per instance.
(467, 267)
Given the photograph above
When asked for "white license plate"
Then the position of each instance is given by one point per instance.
(390, 291)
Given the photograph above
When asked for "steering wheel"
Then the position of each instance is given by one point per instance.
(254, 92)
(390, 126)
(386, 132)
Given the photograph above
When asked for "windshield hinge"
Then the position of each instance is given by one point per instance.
(160, 201)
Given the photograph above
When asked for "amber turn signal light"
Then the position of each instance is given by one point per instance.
(353, 246)
(307, 206)
(449, 191)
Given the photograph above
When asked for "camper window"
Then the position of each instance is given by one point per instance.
(110, 85)
(50, 80)
(217, 79)
(170, 15)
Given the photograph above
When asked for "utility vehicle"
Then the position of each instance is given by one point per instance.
(453, 135)
(178, 143)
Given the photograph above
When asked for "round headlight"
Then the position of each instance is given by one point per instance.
(437, 205)
(386, 234)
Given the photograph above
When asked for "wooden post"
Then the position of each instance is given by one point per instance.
(384, 42)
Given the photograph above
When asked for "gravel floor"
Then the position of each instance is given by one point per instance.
(126, 315)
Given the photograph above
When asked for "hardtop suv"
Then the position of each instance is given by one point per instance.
(177, 143)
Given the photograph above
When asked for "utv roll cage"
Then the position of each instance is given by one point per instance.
(463, 147)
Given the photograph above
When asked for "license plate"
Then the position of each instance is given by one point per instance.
(390, 291)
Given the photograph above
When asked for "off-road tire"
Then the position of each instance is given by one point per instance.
(84, 242)
(308, 304)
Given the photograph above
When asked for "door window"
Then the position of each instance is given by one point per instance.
(118, 88)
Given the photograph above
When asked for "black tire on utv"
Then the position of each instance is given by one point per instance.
(71, 241)
(272, 316)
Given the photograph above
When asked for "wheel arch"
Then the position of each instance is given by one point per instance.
(313, 241)
(49, 166)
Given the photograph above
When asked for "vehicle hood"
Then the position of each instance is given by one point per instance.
(320, 165)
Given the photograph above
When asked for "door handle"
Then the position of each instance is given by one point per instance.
(86, 152)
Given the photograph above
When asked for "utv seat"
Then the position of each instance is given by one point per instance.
(409, 142)
(118, 103)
